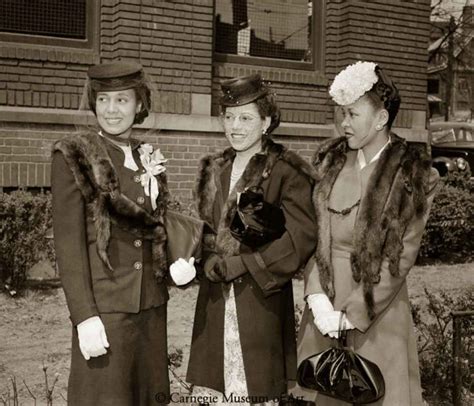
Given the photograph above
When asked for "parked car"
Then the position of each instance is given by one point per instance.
(452, 147)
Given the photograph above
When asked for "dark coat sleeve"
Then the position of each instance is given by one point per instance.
(388, 287)
(70, 240)
(275, 264)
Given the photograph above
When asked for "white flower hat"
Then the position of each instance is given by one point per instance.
(353, 82)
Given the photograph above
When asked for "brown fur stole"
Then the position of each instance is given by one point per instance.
(395, 194)
(96, 177)
(208, 183)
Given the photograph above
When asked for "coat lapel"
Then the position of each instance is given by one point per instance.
(223, 188)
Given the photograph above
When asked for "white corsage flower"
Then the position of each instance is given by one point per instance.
(353, 82)
(152, 162)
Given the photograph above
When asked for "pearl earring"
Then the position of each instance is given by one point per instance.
(378, 128)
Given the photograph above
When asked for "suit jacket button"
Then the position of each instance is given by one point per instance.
(239, 280)
(137, 179)
(137, 265)
(140, 200)
(137, 243)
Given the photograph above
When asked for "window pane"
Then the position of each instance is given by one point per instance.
(278, 29)
(433, 86)
(56, 18)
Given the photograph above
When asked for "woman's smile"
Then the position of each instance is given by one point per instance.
(238, 136)
(113, 120)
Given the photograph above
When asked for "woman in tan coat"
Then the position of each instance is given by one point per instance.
(372, 202)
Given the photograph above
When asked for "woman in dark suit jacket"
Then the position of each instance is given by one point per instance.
(109, 203)
(243, 343)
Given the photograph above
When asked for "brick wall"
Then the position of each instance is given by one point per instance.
(25, 154)
(37, 79)
(173, 40)
(394, 34)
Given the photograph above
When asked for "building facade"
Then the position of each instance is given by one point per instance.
(188, 47)
(461, 84)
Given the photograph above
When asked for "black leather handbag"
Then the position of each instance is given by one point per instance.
(341, 373)
(256, 222)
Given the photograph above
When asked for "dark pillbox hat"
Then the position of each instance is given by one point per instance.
(243, 90)
(115, 76)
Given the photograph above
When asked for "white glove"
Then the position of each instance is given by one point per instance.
(326, 318)
(182, 271)
(328, 323)
(319, 303)
(92, 338)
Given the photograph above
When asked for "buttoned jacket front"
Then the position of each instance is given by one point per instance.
(90, 287)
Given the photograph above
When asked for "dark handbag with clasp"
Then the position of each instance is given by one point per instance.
(256, 222)
(341, 373)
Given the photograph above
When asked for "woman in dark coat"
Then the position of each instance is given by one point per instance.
(109, 203)
(372, 202)
(243, 344)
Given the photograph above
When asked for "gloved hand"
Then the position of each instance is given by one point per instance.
(215, 269)
(92, 338)
(182, 271)
(319, 303)
(326, 318)
(328, 323)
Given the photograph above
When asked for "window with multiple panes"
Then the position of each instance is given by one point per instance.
(286, 31)
(49, 22)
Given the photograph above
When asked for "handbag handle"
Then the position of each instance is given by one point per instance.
(342, 333)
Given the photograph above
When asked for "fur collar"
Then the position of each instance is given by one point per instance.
(258, 169)
(395, 194)
(96, 177)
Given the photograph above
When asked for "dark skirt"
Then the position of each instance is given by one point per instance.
(134, 372)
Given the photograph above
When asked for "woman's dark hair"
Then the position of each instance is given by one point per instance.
(267, 107)
(143, 94)
(385, 94)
